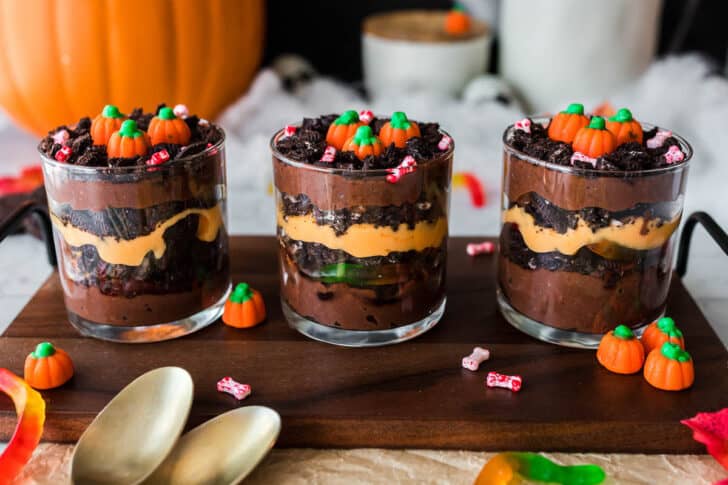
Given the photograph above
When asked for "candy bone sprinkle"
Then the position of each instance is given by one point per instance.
(181, 111)
(495, 379)
(366, 116)
(230, 386)
(674, 155)
(474, 249)
(289, 130)
(408, 165)
(477, 357)
(329, 154)
(61, 136)
(444, 143)
(659, 139)
(580, 157)
(63, 154)
(523, 125)
(158, 158)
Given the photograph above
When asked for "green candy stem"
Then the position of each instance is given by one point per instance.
(623, 332)
(458, 7)
(347, 118)
(536, 467)
(399, 121)
(166, 113)
(129, 128)
(597, 123)
(667, 325)
(575, 109)
(674, 352)
(111, 111)
(623, 116)
(241, 293)
(364, 136)
(43, 349)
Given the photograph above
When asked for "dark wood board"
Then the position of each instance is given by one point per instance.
(412, 395)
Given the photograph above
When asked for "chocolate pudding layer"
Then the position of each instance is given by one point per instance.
(358, 251)
(587, 245)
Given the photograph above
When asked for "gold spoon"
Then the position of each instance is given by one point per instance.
(221, 451)
(134, 433)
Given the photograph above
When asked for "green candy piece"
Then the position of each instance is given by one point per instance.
(241, 293)
(364, 136)
(347, 118)
(623, 115)
(623, 332)
(111, 111)
(458, 7)
(399, 121)
(129, 128)
(574, 109)
(43, 349)
(536, 467)
(674, 352)
(597, 123)
(667, 325)
(166, 113)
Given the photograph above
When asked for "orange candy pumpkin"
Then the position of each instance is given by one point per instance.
(47, 367)
(594, 140)
(625, 128)
(398, 130)
(244, 308)
(659, 332)
(669, 368)
(620, 351)
(128, 142)
(167, 128)
(105, 124)
(566, 124)
(343, 128)
(457, 21)
(364, 143)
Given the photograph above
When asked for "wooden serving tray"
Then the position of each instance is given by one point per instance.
(413, 395)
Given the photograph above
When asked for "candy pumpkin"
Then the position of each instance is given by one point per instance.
(624, 128)
(620, 351)
(343, 128)
(669, 368)
(457, 21)
(166, 127)
(594, 140)
(105, 124)
(128, 142)
(398, 130)
(244, 308)
(566, 124)
(47, 367)
(364, 143)
(661, 331)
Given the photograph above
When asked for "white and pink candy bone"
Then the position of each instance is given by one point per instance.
(495, 379)
(63, 154)
(444, 143)
(477, 357)
(659, 139)
(474, 249)
(366, 116)
(289, 130)
(181, 111)
(674, 155)
(580, 157)
(61, 136)
(408, 165)
(230, 386)
(329, 154)
(523, 125)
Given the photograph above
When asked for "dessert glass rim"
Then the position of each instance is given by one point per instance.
(347, 171)
(108, 170)
(593, 172)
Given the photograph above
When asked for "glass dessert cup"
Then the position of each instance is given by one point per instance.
(585, 250)
(142, 251)
(362, 260)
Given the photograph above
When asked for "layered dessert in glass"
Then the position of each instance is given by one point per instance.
(362, 216)
(590, 209)
(138, 206)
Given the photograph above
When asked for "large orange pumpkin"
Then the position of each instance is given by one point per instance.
(62, 59)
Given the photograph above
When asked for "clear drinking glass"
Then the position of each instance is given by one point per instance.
(142, 251)
(362, 260)
(582, 250)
